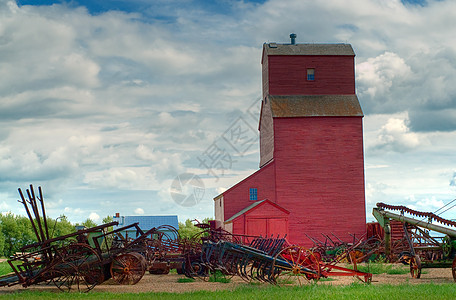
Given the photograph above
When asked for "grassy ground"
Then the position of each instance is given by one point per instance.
(381, 268)
(5, 268)
(354, 291)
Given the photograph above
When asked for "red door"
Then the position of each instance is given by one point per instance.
(267, 227)
(277, 227)
(257, 227)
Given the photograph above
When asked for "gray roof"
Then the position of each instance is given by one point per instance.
(308, 49)
(251, 206)
(315, 106)
(244, 210)
(147, 222)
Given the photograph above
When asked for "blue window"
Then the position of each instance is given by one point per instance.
(253, 194)
(310, 74)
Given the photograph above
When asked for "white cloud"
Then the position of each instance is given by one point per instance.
(94, 217)
(125, 102)
(396, 136)
(139, 211)
(453, 180)
(4, 206)
(121, 178)
(76, 211)
(427, 204)
(379, 73)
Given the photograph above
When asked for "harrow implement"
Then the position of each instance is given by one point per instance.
(277, 264)
(79, 260)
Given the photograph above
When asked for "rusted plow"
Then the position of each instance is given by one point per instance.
(361, 249)
(77, 261)
(275, 263)
(81, 260)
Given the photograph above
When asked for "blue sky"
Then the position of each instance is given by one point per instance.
(146, 7)
(106, 103)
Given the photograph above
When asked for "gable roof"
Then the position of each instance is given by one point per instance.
(315, 106)
(307, 49)
(252, 206)
(147, 222)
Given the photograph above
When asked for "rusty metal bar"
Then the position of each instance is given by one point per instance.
(59, 238)
(43, 211)
(32, 201)
(29, 214)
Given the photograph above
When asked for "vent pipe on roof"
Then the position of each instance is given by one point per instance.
(293, 38)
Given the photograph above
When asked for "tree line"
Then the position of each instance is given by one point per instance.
(16, 231)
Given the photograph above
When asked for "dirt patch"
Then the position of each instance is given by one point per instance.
(169, 283)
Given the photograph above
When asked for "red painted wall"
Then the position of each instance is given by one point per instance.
(317, 171)
(288, 75)
(264, 219)
(237, 197)
(320, 176)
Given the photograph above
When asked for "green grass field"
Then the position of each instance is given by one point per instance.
(354, 291)
(254, 291)
(380, 268)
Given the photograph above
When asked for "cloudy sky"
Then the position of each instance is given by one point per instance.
(106, 103)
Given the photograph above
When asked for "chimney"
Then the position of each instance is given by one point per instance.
(293, 38)
(117, 215)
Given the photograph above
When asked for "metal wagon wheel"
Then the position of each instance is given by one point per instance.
(128, 268)
(415, 266)
(298, 259)
(79, 268)
(196, 269)
(61, 279)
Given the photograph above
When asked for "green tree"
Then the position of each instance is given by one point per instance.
(2, 240)
(17, 232)
(89, 223)
(107, 241)
(188, 228)
(107, 219)
(60, 226)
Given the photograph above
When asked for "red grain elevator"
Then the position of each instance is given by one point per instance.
(311, 177)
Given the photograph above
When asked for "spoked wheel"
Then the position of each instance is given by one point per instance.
(128, 268)
(61, 279)
(415, 267)
(193, 267)
(199, 270)
(296, 264)
(80, 269)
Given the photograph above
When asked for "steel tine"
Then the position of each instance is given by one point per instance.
(43, 211)
(24, 202)
(31, 195)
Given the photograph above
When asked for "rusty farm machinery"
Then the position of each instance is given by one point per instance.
(275, 263)
(427, 240)
(81, 260)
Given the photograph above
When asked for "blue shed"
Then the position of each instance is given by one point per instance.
(146, 223)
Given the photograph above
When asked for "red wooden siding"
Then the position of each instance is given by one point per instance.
(288, 75)
(320, 175)
(266, 227)
(266, 134)
(265, 77)
(375, 230)
(237, 197)
(311, 156)
(266, 219)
